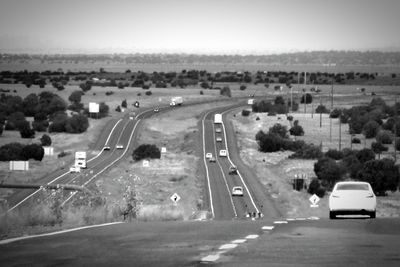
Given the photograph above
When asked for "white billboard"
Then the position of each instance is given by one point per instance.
(94, 107)
(48, 150)
(19, 165)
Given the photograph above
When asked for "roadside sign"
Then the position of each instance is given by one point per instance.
(163, 149)
(314, 199)
(136, 104)
(146, 163)
(175, 198)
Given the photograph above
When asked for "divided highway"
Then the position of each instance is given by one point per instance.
(220, 182)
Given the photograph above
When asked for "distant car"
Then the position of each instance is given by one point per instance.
(237, 191)
(218, 139)
(156, 110)
(208, 156)
(223, 153)
(218, 130)
(352, 198)
(75, 169)
(232, 169)
(213, 159)
(106, 148)
(119, 146)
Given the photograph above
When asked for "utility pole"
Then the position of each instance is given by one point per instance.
(330, 118)
(304, 95)
(395, 130)
(340, 131)
(320, 113)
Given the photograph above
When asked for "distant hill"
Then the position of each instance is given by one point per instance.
(315, 58)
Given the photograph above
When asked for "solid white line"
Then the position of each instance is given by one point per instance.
(268, 228)
(227, 246)
(280, 222)
(55, 179)
(205, 164)
(126, 149)
(238, 241)
(241, 178)
(11, 240)
(223, 174)
(300, 219)
(109, 136)
(251, 236)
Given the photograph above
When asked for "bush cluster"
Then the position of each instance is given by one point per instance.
(17, 151)
(146, 151)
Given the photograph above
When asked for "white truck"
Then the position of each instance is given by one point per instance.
(80, 159)
(218, 118)
(250, 101)
(176, 101)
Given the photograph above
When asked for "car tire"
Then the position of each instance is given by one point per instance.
(332, 215)
(372, 214)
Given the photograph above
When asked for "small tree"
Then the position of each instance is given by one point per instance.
(383, 175)
(370, 129)
(226, 91)
(307, 98)
(146, 151)
(279, 129)
(384, 137)
(124, 104)
(296, 130)
(328, 171)
(77, 124)
(25, 130)
(321, 109)
(45, 140)
(75, 97)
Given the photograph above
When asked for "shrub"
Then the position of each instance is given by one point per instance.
(351, 164)
(201, 92)
(356, 140)
(45, 140)
(307, 98)
(378, 148)
(296, 130)
(148, 93)
(290, 118)
(124, 104)
(261, 106)
(335, 113)
(146, 151)
(268, 142)
(77, 124)
(40, 126)
(145, 87)
(11, 151)
(383, 175)
(365, 155)
(321, 109)
(328, 171)
(315, 187)
(334, 154)
(278, 129)
(370, 129)
(245, 113)
(226, 91)
(118, 109)
(243, 87)
(33, 151)
(384, 137)
(308, 151)
(26, 131)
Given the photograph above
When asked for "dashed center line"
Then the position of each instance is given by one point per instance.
(251, 236)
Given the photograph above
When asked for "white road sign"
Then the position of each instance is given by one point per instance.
(146, 163)
(175, 198)
(314, 199)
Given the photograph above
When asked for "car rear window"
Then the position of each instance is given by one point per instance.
(352, 187)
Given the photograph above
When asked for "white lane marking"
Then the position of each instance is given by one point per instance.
(227, 246)
(210, 258)
(268, 228)
(205, 164)
(290, 219)
(229, 158)
(109, 136)
(11, 240)
(126, 149)
(238, 241)
(62, 175)
(313, 218)
(251, 236)
(223, 174)
(280, 222)
(300, 219)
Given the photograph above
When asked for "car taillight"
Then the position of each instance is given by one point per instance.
(370, 196)
(335, 196)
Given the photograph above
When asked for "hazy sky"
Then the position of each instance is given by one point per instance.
(198, 26)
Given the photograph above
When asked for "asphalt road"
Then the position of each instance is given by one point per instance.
(344, 242)
(226, 206)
